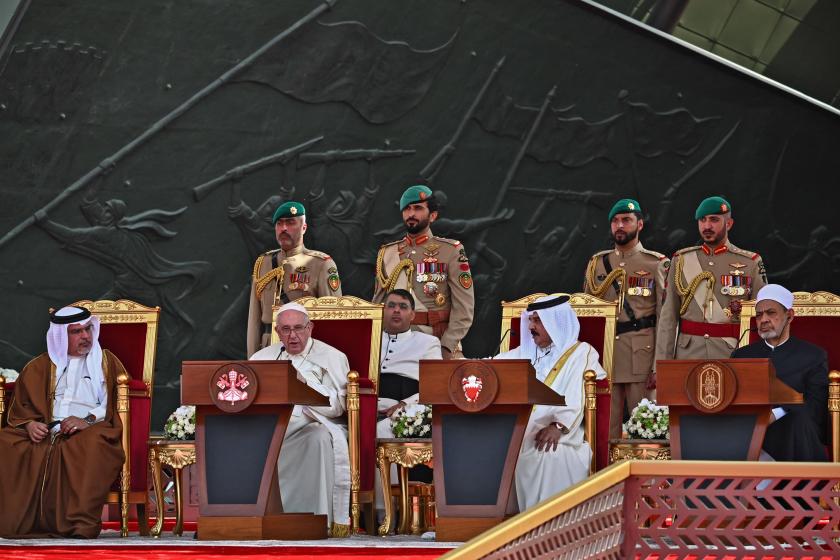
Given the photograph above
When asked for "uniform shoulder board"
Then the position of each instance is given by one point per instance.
(687, 250)
(659, 256)
(453, 242)
(744, 253)
(601, 253)
(400, 240)
(318, 254)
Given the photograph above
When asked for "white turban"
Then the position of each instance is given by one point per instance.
(557, 317)
(777, 293)
(57, 341)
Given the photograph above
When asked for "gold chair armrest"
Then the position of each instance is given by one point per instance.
(353, 436)
(589, 417)
(123, 409)
(834, 412)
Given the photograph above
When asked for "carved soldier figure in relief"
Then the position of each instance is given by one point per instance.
(704, 290)
(635, 276)
(435, 270)
(286, 274)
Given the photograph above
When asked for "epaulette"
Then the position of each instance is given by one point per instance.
(313, 253)
(687, 250)
(659, 256)
(400, 240)
(453, 242)
(743, 252)
(601, 253)
(259, 261)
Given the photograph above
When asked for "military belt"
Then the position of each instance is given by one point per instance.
(636, 325)
(438, 320)
(716, 330)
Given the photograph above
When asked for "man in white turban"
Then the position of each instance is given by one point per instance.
(554, 454)
(314, 465)
(61, 450)
(796, 432)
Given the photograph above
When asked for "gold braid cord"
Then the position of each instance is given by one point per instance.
(598, 290)
(389, 282)
(269, 277)
(687, 292)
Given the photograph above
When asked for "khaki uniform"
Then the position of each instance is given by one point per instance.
(635, 340)
(302, 271)
(704, 323)
(437, 273)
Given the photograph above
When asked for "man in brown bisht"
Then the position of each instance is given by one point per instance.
(639, 274)
(434, 270)
(61, 449)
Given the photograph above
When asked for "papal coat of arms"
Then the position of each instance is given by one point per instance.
(233, 387)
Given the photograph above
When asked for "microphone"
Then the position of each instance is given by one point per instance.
(511, 332)
(740, 338)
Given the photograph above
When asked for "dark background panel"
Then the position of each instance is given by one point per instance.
(632, 114)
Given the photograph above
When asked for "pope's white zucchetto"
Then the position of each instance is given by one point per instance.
(777, 293)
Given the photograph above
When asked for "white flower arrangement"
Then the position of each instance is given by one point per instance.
(181, 423)
(648, 421)
(9, 375)
(412, 421)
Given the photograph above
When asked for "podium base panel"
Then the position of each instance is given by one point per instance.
(460, 529)
(282, 526)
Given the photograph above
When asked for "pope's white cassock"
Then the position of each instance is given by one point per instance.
(314, 466)
(560, 365)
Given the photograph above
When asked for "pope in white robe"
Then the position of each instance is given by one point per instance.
(314, 465)
(554, 454)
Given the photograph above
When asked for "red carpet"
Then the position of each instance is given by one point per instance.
(214, 553)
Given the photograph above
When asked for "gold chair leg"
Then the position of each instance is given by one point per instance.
(405, 503)
(385, 478)
(158, 483)
(179, 505)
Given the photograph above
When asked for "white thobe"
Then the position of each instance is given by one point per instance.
(75, 393)
(314, 465)
(542, 474)
(401, 354)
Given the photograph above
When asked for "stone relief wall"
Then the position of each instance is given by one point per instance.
(145, 147)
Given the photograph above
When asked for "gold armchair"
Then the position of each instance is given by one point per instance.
(354, 326)
(597, 327)
(817, 320)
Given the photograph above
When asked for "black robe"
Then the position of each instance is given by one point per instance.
(799, 435)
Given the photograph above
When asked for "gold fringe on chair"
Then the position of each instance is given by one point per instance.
(687, 292)
(337, 530)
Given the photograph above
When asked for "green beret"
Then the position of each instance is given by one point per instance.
(417, 193)
(712, 205)
(623, 206)
(288, 210)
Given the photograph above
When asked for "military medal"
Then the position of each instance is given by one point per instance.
(639, 286)
(430, 289)
(440, 300)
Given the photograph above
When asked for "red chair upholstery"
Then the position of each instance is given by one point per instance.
(354, 326)
(597, 319)
(817, 320)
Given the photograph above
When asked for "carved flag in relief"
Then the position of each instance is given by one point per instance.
(346, 62)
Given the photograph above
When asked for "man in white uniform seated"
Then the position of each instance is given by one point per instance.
(314, 465)
(554, 454)
(402, 350)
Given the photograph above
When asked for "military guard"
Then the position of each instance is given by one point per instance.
(705, 287)
(634, 276)
(434, 269)
(286, 274)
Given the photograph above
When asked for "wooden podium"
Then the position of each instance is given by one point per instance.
(242, 410)
(481, 409)
(720, 409)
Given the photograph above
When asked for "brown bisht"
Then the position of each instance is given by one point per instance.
(57, 487)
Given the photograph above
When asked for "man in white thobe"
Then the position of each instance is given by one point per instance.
(554, 454)
(314, 465)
